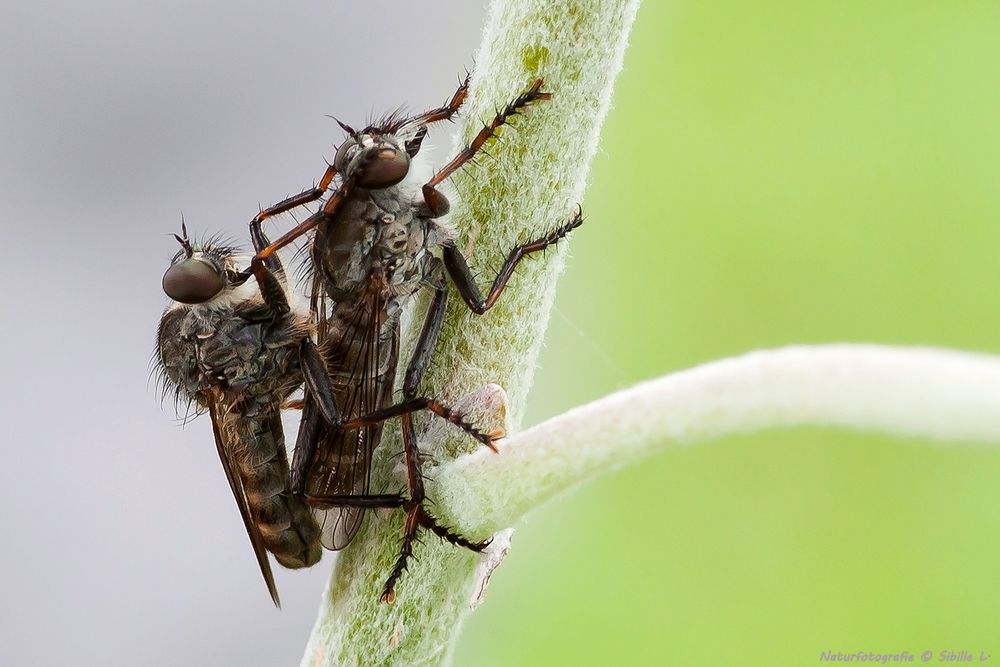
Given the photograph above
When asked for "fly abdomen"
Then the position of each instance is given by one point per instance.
(286, 524)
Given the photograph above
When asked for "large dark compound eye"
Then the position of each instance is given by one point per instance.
(344, 154)
(385, 168)
(192, 281)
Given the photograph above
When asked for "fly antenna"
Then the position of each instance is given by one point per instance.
(347, 128)
(183, 238)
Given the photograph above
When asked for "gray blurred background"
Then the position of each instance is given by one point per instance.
(820, 172)
(122, 545)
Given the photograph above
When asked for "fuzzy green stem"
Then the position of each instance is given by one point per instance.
(534, 178)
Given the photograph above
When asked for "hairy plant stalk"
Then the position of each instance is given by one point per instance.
(916, 392)
(529, 186)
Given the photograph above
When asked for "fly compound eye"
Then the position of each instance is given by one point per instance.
(192, 281)
(386, 167)
(344, 154)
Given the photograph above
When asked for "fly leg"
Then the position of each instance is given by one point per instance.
(411, 402)
(287, 204)
(447, 112)
(264, 248)
(310, 432)
(413, 503)
(416, 515)
(421, 121)
(314, 373)
(409, 406)
(270, 273)
(461, 275)
(326, 212)
(435, 201)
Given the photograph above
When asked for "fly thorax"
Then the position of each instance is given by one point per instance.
(400, 251)
(393, 237)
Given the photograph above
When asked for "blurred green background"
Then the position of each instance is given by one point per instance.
(773, 173)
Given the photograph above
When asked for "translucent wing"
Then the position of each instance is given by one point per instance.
(361, 354)
(236, 484)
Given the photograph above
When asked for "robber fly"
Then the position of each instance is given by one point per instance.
(238, 351)
(372, 250)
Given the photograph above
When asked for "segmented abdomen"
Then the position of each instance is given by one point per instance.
(286, 524)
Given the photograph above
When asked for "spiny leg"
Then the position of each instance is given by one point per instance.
(328, 210)
(422, 353)
(435, 200)
(416, 516)
(446, 112)
(461, 275)
(296, 231)
(261, 244)
(409, 406)
(270, 274)
(427, 341)
(414, 508)
(260, 241)
(304, 197)
(314, 372)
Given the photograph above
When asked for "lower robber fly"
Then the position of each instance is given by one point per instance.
(238, 352)
(373, 249)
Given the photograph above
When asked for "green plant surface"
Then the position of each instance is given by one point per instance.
(773, 173)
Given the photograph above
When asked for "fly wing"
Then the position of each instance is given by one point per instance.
(342, 470)
(236, 484)
(361, 356)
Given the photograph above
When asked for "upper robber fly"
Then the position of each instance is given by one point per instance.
(373, 248)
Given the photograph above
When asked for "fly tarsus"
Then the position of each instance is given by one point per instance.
(432, 405)
(435, 200)
(417, 518)
(305, 197)
(446, 112)
(458, 268)
(446, 534)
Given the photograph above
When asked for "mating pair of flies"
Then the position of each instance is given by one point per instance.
(237, 348)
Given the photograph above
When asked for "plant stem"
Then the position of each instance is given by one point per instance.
(536, 174)
(916, 392)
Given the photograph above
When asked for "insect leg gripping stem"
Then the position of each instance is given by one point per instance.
(416, 516)
(461, 275)
(412, 405)
(438, 203)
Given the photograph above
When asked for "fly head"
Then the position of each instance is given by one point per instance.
(199, 272)
(378, 158)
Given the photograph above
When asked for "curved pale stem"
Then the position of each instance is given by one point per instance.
(917, 392)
